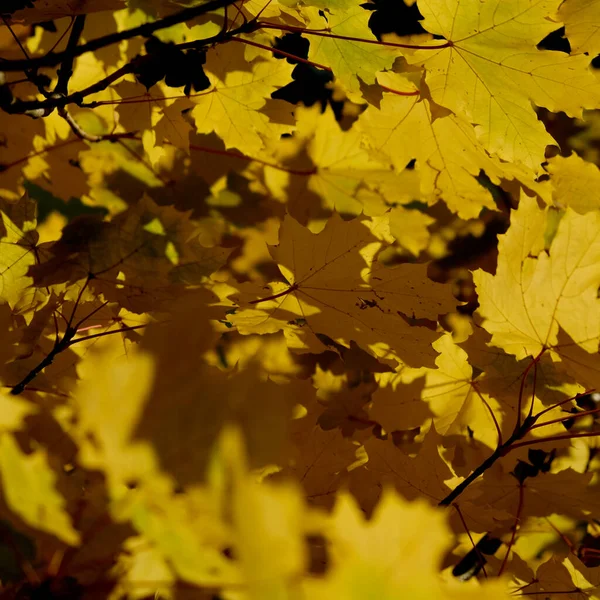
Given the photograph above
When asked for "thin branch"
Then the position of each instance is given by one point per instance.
(146, 30)
(31, 73)
(533, 582)
(17, 40)
(42, 108)
(522, 387)
(89, 327)
(327, 33)
(76, 304)
(119, 137)
(62, 35)
(59, 347)
(282, 53)
(239, 13)
(575, 397)
(477, 550)
(89, 316)
(555, 438)
(399, 93)
(274, 296)
(234, 154)
(60, 98)
(57, 100)
(262, 10)
(18, 161)
(85, 338)
(490, 410)
(66, 68)
(60, 314)
(480, 470)
(17, 81)
(56, 330)
(514, 530)
(562, 536)
(533, 387)
(519, 432)
(568, 417)
(88, 137)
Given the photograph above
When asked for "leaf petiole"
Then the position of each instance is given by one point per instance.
(327, 33)
(553, 438)
(292, 288)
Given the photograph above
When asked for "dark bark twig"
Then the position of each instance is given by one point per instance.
(59, 346)
(66, 68)
(89, 137)
(41, 108)
(514, 441)
(146, 30)
(498, 453)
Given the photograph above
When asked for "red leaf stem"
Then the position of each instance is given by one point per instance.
(522, 387)
(464, 524)
(274, 296)
(398, 93)
(579, 395)
(514, 530)
(595, 411)
(498, 431)
(281, 53)
(553, 438)
(327, 33)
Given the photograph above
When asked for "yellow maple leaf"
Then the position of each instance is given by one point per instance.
(397, 403)
(500, 385)
(149, 433)
(14, 151)
(582, 25)
(351, 61)
(172, 126)
(420, 477)
(258, 7)
(18, 248)
(534, 292)
(490, 72)
(55, 167)
(388, 557)
(455, 399)
(93, 67)
(186, 529)
(112, 449)
(409, 227)
(28, 485)
(575, 183)
(141, 564)
(144, 254)
(565, 492)
(232, 107)
(320, 459)
(565, 577)
(14, 411)
(336, 286)
(139, 108)
(449, 157)
(269, 524)
(338, 170)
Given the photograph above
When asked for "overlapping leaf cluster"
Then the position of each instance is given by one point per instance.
(260, 348)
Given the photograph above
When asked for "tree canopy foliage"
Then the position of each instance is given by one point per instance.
(299, 299)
